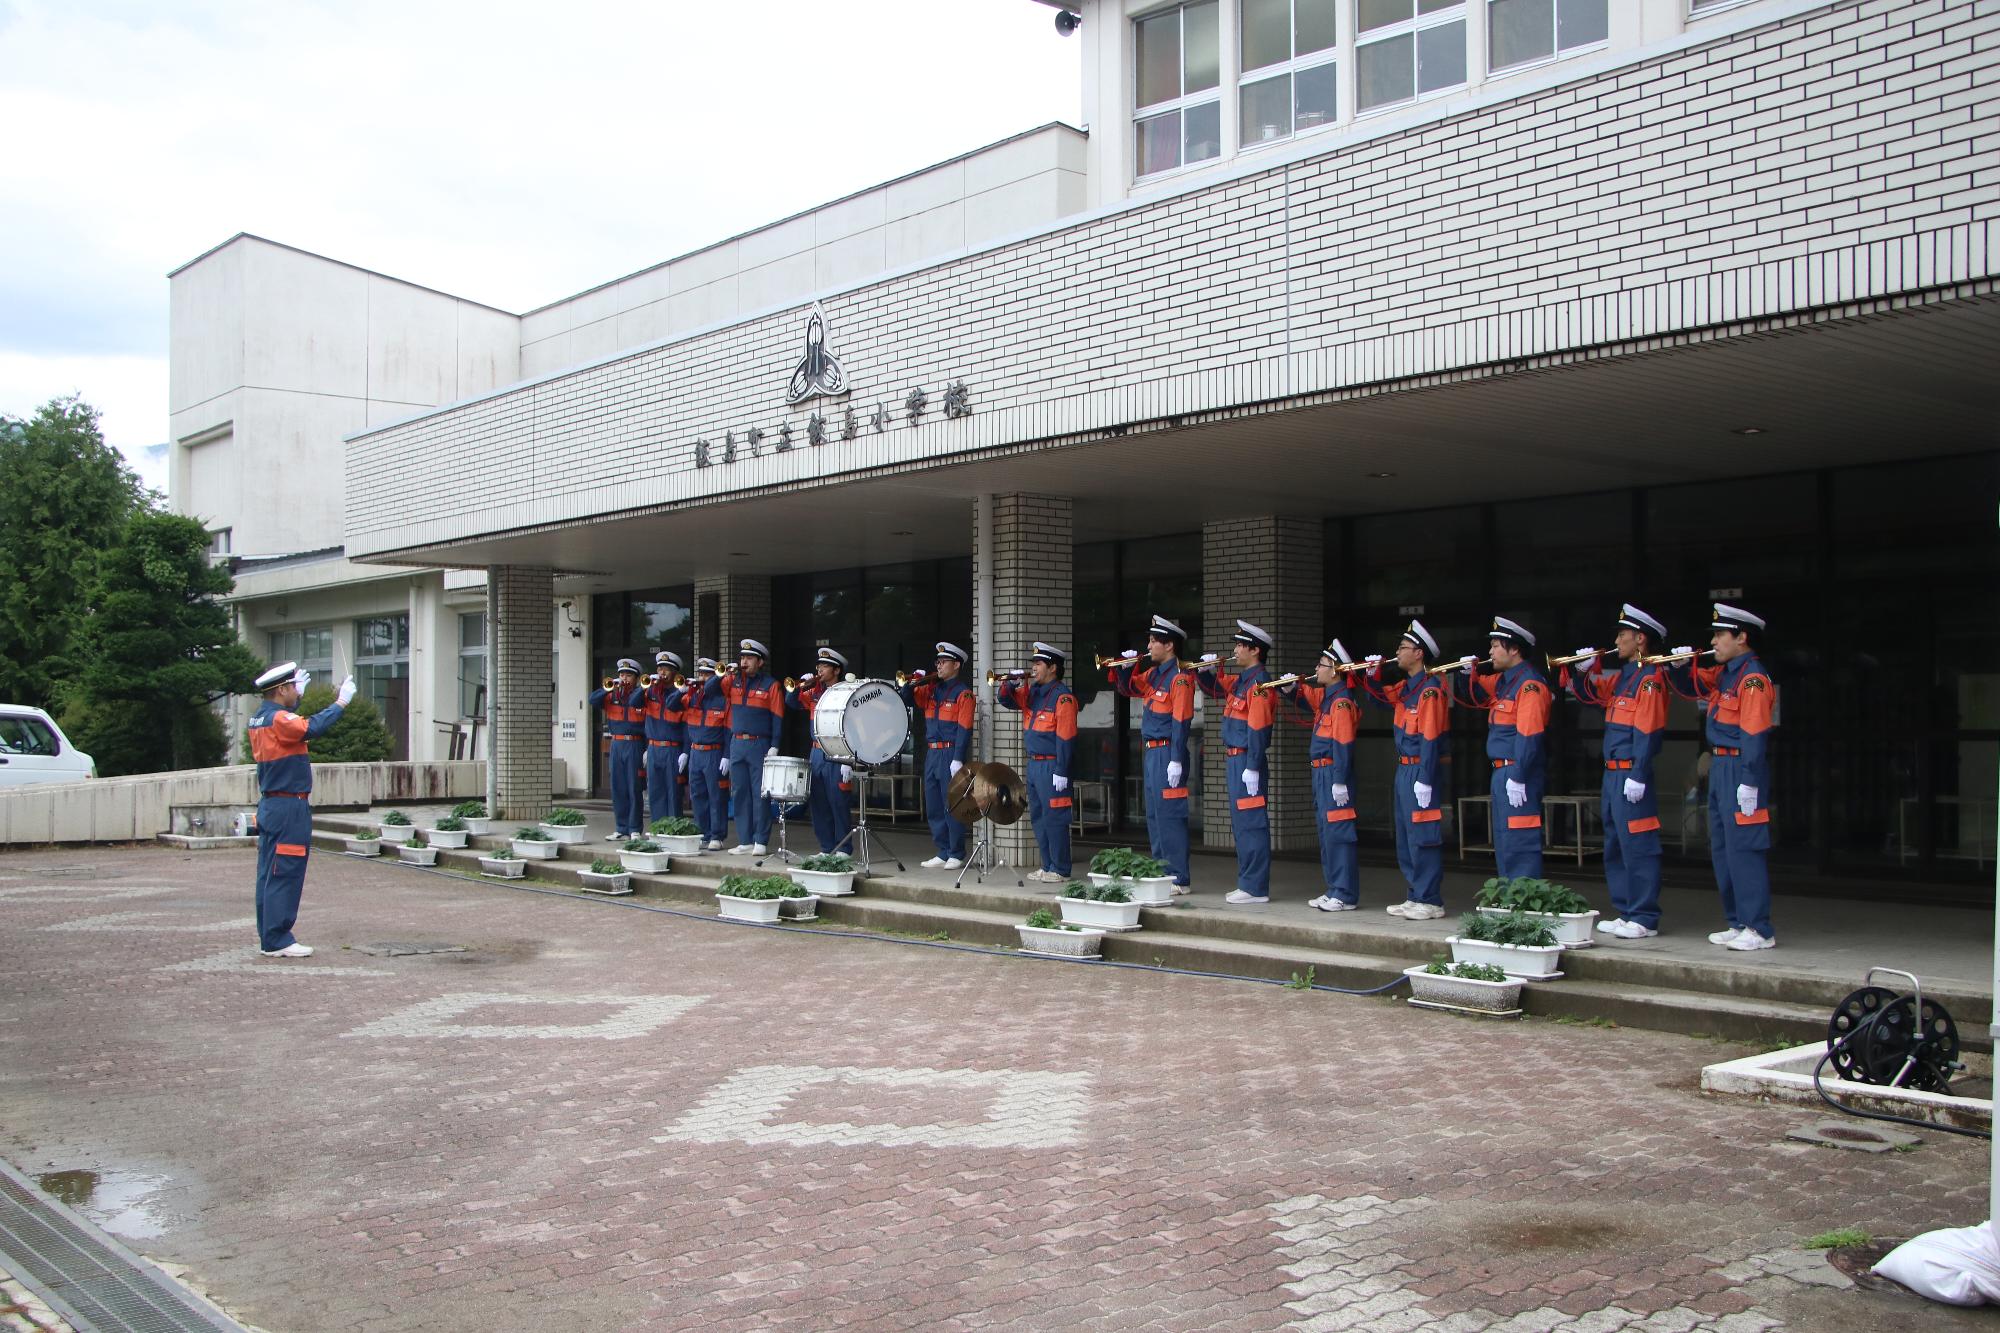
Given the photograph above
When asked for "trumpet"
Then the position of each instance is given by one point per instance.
(993, 675)
(791, 685)
(1462, 664)
(1145, 661)
(1669, 659)
(1276, 683)
(1572, 659)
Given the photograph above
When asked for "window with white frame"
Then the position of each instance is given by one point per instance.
(382, 659)
(311, 648)
(1290, 77)
(1520, 32)
(472, 664)
(1405, 49)
(1177, 104)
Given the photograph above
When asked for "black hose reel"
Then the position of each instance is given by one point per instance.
(1894, 1038)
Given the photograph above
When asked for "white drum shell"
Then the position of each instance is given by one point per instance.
(786, 778)
(861, 722)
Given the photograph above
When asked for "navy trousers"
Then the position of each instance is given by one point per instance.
(1051, 812)
(1632, 850)
(1167, 816)
(708, 792)
(663, 779)
(1420, 838)
(946, 833)
(827, 802)
(284, 841)
(1737, 846)
(1517, 834)
(1250, 821)
(1339, 848)
(626, 756)
(746, 777)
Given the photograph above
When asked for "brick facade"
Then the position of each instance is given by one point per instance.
(743, 611)
(520, 608)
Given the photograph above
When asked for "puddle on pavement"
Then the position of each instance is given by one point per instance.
(125, 1203)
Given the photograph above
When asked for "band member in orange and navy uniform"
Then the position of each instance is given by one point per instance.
(831, 781)
(624, 706)
(278, 739)
(1742, 708)
(1165, 725)
(1634, 700)
(1247, 714)
(947, 704)
(1423, 738)
(1516, 702)
(705, 711)
(1048, 721)
(1328, 707)
(756, 712)
(666, 737)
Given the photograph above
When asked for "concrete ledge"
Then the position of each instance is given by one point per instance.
(1786, 1076)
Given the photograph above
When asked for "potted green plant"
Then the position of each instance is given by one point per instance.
(1516, 944)
(1137, 873)
(644, 856)
(477, 822)
(605, 876)
(750, 898)
(532, 844)
(502, 863)
(798, 904)
(1042, 934)
(415, 853)
(362, 842)
(1103, 906)
(395, 826)
(829, 874)
(566, 826)
(677, 835)
(1480, 987)
(448, 832)
(1563, 910)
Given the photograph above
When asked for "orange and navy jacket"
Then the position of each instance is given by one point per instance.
(1516, 702)
(1168, 717)
(756, 707)
(1246, 714)
(624, 711)
(705, 712)
(1423, 723)
(1335, 719)
(278, 743)
(1048, 719)
(665, 720)
(810, 691)
(1634, 700)
(947, 706)
(1742, 705)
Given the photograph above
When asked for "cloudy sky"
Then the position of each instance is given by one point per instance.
(506, 152)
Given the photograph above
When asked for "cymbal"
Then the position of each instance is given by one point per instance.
(989, 791)
(958, 796)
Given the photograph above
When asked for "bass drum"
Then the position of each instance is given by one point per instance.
(861, 722)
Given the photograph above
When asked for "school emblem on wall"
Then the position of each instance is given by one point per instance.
(818, 374)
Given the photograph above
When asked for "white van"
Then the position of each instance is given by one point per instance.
(34, 749)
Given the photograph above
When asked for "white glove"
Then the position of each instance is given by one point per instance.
(1211, 657)
(1468, 659)
(725, 766)
(846, 775)
(1173, 775)
(1129, 654)
(1372, 658)
(1581, 651)
(346, 695)
(1684, 648)
(1746, 800)
(1635, 792)
(1251, 780)
(771, 753)
(1517, 793)
(684, 763)
(301, 679)
(1340, 796)
(955, 766)
(1059, 782)
(1423, 796)
(919, 674)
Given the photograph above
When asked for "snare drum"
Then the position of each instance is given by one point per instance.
(861, 722)
(786, 778)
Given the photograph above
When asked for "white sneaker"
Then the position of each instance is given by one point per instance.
(932, 864)
(1414, 911)
(1329, 903)
(952, 863)
(1183, 890)
(757, 849)
(1611, 927)
(740, 849)
(613, 837)
(1724, 936)
(1748, 939)
(712, 845)
(1631, 930)
(1238, 898)
(1397, 909)
(292, 950)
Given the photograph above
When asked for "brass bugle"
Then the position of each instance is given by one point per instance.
(1103, 662)
(1669, 659)
(1572, 659)
(646, 682)
(1462, 664)
(1015, 673)
(610, 681)
(1145, 661)
(791, 685)
(1276, 683)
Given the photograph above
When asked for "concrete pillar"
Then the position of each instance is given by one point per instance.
(1270, 571)
(520, 603)
(1026, 581)
(741, 610)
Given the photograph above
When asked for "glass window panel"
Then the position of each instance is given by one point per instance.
(1437, 6)
(1159, 57)
(1314, 26)
(316, 649)
(1318, 96)
(1385, 72)
(1694, 541)
(1440, 57)
(1926, 518)
(1372, 14)
(1200, 32)
(1518, 31)
(1204, 131)
(1581, 22)
(1267, 109)
(1159, 143)
(472, 629)
(1267, 36)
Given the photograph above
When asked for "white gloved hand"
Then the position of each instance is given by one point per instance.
(1129, 654)
(955, 766)
(1582, 651)
(725, 766)
(1372, 658)
(1635, 792)
(1252, 780)
(1340, 796)
(684, 763)
(1211, 657)
(1468, 659)
(1174, 775)
(1684, 648)
(301, 679)
(1059, 782)
(1517, 793)
(1423, 796)
(919, 674)
(846, 775)
(346, 694)
(771, 753)
(1746, 800)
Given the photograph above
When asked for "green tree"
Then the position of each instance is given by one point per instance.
(154, 653)
(360, 737)
(65, 496)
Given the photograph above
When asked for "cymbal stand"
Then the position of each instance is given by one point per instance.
(981, 858)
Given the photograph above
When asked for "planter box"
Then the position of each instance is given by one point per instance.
(1531, 962)
(1061, 943)
(613, 885)
(1573, 930)
(1487, 997)
(825, 883)
(763, 910)
(688, 846)
(1101, 916)
(528, 849)
(507, 869)
(451, 838)
(1145, 892)
(569, 835)
(646, 863)
(395, 833)
(478, 828)
(798, 909)
(362, 846)
(418, 856)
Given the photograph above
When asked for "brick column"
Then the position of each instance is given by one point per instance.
(1269, 571)
(520, 610)
(1032, 591)
(743, 611)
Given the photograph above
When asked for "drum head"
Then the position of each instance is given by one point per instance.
(862, 722)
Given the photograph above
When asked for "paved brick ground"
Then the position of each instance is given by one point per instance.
(602, 1118)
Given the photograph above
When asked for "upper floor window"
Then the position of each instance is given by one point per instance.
(1178, 77)
(312, 649)
(1519, 32)
(1405, 49)
(1289, 70)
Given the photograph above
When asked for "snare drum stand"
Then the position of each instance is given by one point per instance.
(981, 858)
(859, 835)
(783, 850)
